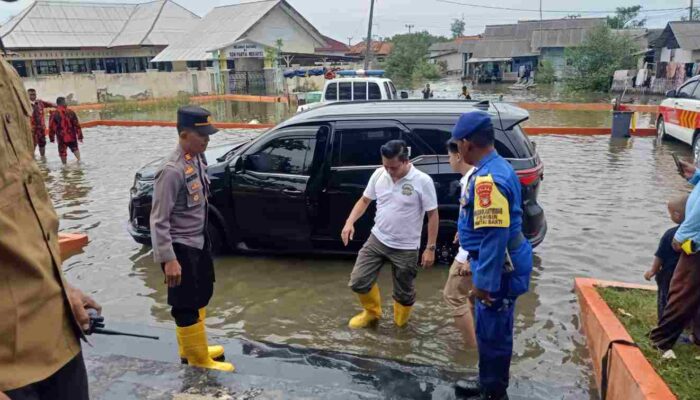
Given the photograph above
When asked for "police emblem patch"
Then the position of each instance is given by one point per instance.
(407, 189)
(483, 193)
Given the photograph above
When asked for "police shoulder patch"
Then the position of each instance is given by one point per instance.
(491, 208)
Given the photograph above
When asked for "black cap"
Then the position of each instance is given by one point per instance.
(195, 118)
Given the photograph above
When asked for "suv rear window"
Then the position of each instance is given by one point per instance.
(521, 143)
(374, 92)
(360, 147)
(332, 92)
(345, 91)
(359, 90)
(436, 136)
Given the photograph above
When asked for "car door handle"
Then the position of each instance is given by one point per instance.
(291, 191)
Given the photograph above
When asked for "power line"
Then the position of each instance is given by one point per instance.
(553, 11)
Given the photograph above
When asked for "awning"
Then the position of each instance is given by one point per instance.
(485, 60)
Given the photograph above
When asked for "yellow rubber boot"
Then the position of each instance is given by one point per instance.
(194, 347)
(372, 304)
(215, 351)
(401, 313)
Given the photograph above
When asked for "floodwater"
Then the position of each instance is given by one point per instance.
(605, 206)
(236, 111)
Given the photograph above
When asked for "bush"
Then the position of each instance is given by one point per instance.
(599, 56)
(545, 72)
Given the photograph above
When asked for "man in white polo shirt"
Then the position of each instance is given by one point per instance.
(404, 195)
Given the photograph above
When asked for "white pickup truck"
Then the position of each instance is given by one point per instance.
(354, 89)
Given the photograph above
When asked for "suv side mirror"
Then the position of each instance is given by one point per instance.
(671, 93)
(404, 94)
(238, 164)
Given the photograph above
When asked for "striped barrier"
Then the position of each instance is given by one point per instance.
(630, 376)
(646, 108)
(194, 99)
(221, 125)
(71, 243)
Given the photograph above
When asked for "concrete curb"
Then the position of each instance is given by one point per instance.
(631, 376)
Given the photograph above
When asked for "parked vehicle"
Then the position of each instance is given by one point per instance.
(292, 188)
(354, 89)
(678, 115)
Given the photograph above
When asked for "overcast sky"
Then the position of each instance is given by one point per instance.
(342, 19)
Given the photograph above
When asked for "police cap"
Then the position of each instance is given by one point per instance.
(195, 118)
(470, 123)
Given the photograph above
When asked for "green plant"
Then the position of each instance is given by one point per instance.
(457, 28)
(408, 61)
(636, 309)
(599, 56)
(545, 72)
(625, 17)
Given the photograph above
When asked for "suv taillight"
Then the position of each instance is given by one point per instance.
(530, 176)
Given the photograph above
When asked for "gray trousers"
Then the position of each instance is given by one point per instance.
(404, 268)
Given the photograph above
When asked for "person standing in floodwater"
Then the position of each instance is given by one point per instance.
(404, 195)
(490, 229)
(37, 121)
(64, 128)
(427, 93)
(180, 241)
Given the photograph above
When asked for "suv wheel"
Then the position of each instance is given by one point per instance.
(445, 252)
(660, 130)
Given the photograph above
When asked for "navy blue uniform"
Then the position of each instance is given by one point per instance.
(489, 225)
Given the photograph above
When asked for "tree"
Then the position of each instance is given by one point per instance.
(626, 17)
(408, 62)
(696, 15)
(601, 54)
(457, 28)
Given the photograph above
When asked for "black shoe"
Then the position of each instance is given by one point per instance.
(467, 388)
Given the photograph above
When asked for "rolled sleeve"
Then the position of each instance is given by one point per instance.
(371, 189)
(429, 196)
(165, 192)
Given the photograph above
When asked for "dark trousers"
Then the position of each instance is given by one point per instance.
(663, 282)
(196, 286)
(68, 383)
(683, 303)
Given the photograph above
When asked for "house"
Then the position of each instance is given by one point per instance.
(333, 47)
(454, 54)
(507, 50)
(57, 37)
(379, 50)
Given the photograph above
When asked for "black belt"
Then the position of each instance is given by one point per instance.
(514, 244)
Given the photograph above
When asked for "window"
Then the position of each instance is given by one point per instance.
(360, 147)
(388, 91)
(359, 90)
(75, 65)
(374, 92)
(696, 93)
(435, 137)
(393, 90)
(46, 67)
(344, 91)
(686, 91)
(20, 67)
(284, 156)
(332, 92)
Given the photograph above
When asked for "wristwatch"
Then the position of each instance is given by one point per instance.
(430, 247)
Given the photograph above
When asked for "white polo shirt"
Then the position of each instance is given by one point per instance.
(401, 207)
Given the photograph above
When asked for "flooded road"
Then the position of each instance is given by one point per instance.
(605, 206)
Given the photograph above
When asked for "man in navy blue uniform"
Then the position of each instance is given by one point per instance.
(490, 229)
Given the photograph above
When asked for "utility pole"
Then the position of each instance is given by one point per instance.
(369, 34)
(690, 17)
(409, 26)
(350, 41)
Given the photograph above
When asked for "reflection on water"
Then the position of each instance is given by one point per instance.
(605, 206)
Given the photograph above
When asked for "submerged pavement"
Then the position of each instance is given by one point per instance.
(123, 368)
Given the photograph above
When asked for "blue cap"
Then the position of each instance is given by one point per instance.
(471, 122)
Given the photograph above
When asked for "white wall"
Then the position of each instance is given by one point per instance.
(676, 55)
(454, 62)
(84, 88)
(279, 25)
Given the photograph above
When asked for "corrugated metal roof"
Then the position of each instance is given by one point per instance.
(468, 46)
(687, 34)
(558, 37)
(503, 48)
(58, 24)
(220, 27)
(444, 46)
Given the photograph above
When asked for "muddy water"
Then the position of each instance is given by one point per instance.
(605, 205)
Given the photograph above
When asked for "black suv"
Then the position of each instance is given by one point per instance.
(292, 188)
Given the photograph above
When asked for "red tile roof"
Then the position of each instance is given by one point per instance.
(333, 45)
(378, 48)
